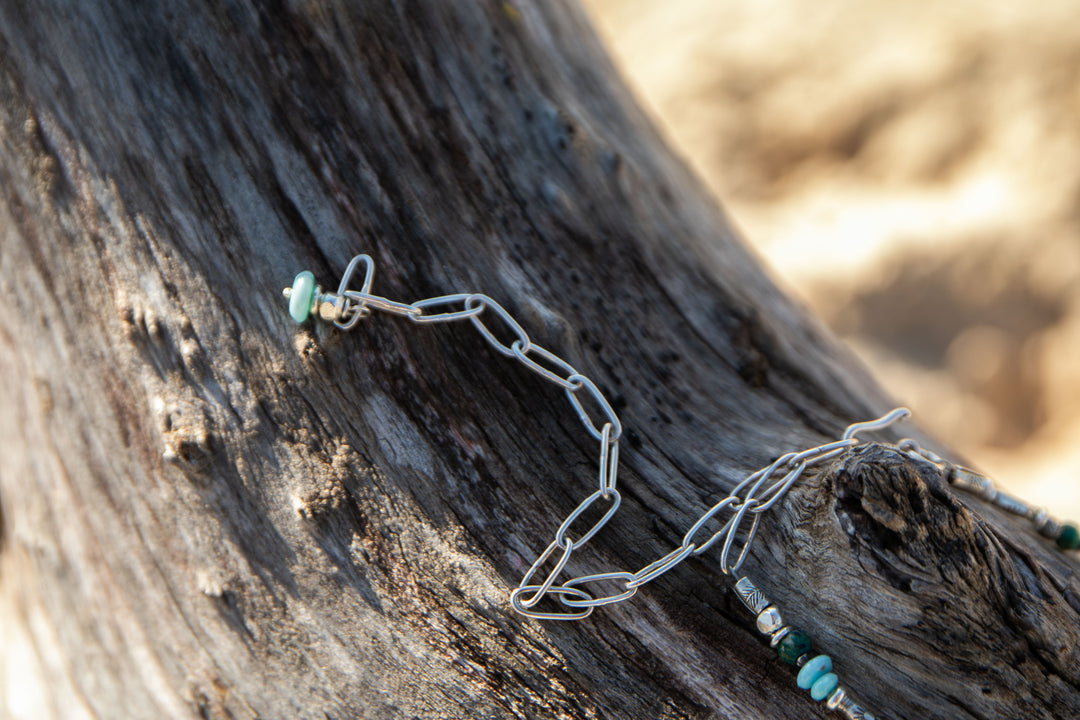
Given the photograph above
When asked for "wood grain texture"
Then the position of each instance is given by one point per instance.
(209, 512)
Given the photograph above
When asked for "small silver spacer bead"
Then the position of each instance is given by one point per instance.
(769, 621)
(1046, 525)
(779, 635)
(328, 305)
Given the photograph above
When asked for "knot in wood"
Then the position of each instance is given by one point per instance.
(900, 509)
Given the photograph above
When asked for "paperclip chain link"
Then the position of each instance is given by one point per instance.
(732, 522)
(747, 501)
(728, 518)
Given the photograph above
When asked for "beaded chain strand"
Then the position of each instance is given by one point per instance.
(756, 494)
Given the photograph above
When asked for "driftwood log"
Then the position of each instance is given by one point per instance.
(208, 511)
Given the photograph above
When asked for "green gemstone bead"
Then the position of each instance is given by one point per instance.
(794, 645)
(824, 685)
(1069, 539)
(303, 291)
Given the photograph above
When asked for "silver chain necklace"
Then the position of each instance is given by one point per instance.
(738, 514)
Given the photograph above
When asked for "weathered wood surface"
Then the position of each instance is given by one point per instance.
(208, 512)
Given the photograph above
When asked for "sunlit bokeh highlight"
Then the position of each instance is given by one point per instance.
(912, 171)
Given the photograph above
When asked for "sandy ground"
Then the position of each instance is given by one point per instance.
(912, 171)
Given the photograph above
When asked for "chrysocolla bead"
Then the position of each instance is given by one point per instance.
(303, 291)
(824, 685)
(1069, 539)
(813, 670)
(794, 644)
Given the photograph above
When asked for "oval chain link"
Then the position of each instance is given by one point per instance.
(747, 499)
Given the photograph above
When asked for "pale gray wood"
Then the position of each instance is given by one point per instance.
(209, 512)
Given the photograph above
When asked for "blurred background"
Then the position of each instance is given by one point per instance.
(911, 171)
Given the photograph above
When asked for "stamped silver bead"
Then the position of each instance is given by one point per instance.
(973, 482)
(1014, 505)
(769, 620)
(839, 700)
(753, 598)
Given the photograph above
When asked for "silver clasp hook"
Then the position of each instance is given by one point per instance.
(343, 308)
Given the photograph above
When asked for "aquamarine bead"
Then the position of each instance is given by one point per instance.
(813, 670)
(823, 686)
(303, 291)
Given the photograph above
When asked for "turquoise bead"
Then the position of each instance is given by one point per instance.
(823, 686)
(303, 291)
(813, 670)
